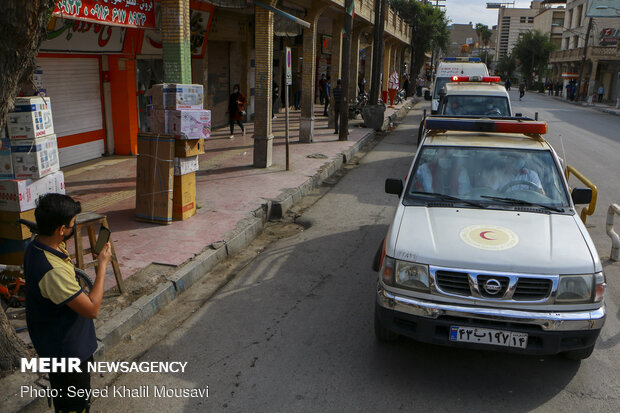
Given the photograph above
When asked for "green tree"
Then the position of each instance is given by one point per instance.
(484, 37)
(22, 28)
(429, 29)
(506, 66)
(532, 52)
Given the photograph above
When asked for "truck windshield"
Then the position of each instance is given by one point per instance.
(440, 82)
(489, 176)
(476, 105)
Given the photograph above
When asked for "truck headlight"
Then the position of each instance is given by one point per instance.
(411, 275)
(574, 289)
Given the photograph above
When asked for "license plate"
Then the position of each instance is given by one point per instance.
(488, 336)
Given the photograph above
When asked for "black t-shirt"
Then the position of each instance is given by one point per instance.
(55, 329)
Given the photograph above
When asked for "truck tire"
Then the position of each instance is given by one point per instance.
(381, 332)
(580, 354)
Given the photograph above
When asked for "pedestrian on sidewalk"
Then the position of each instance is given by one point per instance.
(328, 94)
(507, 84)
(521, 90)
(59, 314)
(337, 101)
(550, 88)
(361, 84)
(419, 87)
(236, 110)
(573, 91)
(274, 98)
(322, 89)
(406, 86)
(601, 92)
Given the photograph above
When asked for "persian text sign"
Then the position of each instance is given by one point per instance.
(128, 13)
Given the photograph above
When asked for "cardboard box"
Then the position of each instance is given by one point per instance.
(190, 124)
(154, 179)
(184, 197)
(6, 163)
(184, 166)
(176, 96)
(11, 229)
(12, 251)
(158, 121)
(189, 147)
(21, 194)
(35, 158)
(31, 118)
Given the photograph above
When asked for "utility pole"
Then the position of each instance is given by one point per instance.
(343, 130)
(377, 55)
(583, 60)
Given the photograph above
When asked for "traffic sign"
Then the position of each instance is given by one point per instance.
(289, 63)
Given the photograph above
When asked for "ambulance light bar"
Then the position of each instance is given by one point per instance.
(487, 125)
(462, 59)
(491, 79)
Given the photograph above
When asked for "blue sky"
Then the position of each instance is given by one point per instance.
(475, 11)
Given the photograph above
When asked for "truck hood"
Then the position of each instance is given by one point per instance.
(493, 240)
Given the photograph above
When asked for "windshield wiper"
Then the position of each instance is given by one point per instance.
(515, 201)
(445, 197)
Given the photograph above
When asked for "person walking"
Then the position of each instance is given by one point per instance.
(521, 90)
(274, 98)
(406, 86)
(361, 84)
(601, 92)
(327, 95)
(420, 86)
(337, 101)
(508, 84)
(59, 314)
(322, 89)
(550, 88)
(236, 112)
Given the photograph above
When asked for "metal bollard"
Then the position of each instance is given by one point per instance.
(615, 239)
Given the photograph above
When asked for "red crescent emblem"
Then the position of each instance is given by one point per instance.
(483, 236)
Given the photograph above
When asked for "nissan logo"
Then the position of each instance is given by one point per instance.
(492, 286)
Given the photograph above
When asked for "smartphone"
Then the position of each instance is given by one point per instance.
(102, 239)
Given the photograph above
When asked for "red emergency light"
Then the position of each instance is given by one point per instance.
(485, 125)
(490, 79)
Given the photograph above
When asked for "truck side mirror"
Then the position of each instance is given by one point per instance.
(394, 186)
(519, 115)
(578, 195)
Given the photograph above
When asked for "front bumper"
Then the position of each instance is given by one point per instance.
(430, 322)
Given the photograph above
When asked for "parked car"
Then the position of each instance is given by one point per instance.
(486, 250)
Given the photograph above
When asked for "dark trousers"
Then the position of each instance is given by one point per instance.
(232, 125)
(336, 117)
(326, 106)
(62, 381)
(600, 97)
(298, 99)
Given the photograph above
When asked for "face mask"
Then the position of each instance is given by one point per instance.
(66, 238)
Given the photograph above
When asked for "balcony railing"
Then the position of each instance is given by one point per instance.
(594, 52)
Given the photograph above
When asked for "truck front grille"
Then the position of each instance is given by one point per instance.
(453, 282)
(532, 289)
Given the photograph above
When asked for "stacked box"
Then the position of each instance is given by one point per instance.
(189, 147)
(31, 118)
(35, 158)
(190, 124)
(10, 228)
(184, 197)
(20, 195)
(176, 96)
(6, 162)
(154, 178)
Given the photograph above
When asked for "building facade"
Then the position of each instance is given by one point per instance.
(602, 65)
(512, 23)
(550, 21)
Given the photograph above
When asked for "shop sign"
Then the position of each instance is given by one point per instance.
(127, 13)
(610, 36)
(64, 35)
(199, 25)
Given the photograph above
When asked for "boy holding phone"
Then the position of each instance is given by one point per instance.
(59, 313)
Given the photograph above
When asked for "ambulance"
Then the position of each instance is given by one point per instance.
(454, 66)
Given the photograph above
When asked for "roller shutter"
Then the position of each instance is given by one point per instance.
(73, 84)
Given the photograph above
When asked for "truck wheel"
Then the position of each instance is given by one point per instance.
(580, 354)
(381, 332)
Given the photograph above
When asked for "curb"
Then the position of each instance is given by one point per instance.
(610, 111)
(113, 330)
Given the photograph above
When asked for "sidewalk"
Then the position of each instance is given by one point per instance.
(601, 107)
(235, 200)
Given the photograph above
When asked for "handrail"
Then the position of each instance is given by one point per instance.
(592, 206)
(614, 255)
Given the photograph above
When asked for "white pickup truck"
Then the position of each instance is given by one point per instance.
(486, 249)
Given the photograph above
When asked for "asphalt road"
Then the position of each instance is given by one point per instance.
(293, 332)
